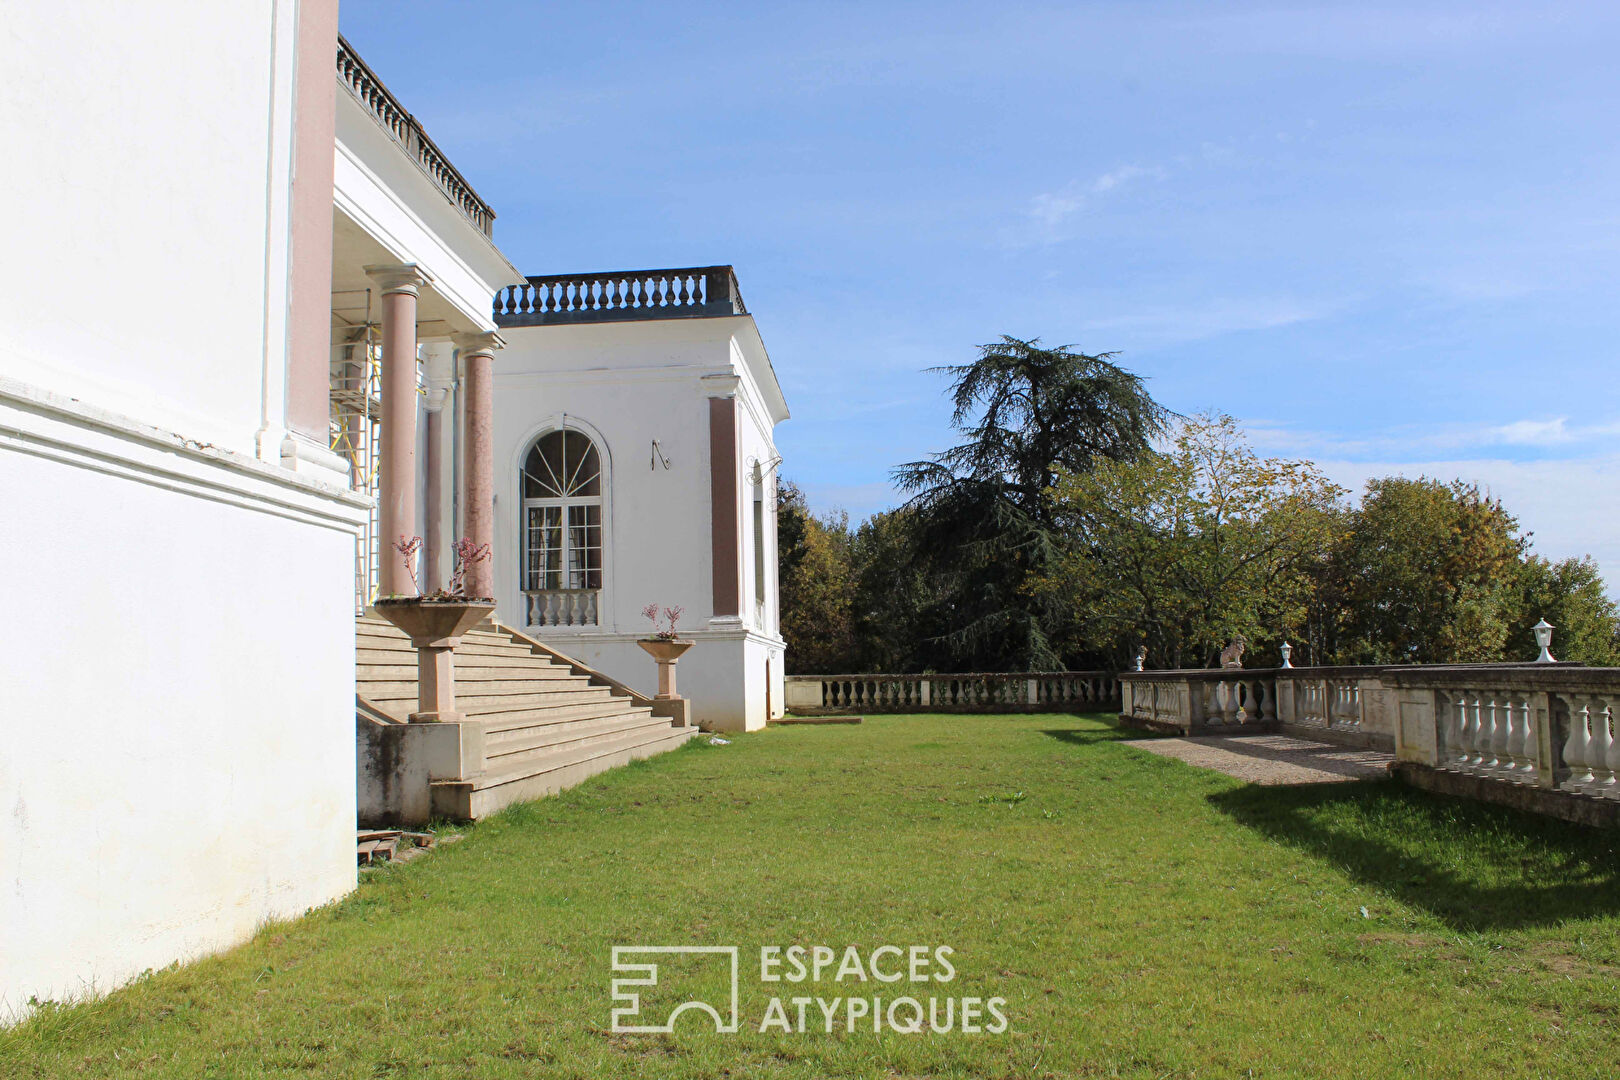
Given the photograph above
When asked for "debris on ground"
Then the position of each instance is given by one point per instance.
(395, 845)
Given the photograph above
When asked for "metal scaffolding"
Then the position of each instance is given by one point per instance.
(356, 417)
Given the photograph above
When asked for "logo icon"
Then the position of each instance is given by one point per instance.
(624, 990)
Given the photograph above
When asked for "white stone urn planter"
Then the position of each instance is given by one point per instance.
(666, 651)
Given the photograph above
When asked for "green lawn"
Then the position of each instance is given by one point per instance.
(1139, 916)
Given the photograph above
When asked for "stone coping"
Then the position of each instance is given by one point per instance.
(1098, 673)
(1521, 677)
(1558, 672)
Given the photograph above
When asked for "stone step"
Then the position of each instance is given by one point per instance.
(506, 754)
(575, 695)
(469, 646)
(467, 687)
(508, 660)
(498, 726)
(530, 706)
(515, 673)
(550, 774)
(513, 726)
(498, 708)
(369, 671)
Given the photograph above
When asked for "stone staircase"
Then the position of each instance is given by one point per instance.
(542, 721)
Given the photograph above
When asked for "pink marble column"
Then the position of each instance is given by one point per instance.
(432, 500)
(396, 497)
(478, 511)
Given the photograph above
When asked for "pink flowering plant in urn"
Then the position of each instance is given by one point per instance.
(435, 623)
(664, 645)
(664, 631)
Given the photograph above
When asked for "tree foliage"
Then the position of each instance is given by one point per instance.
(981, 513)
(1184, 549)
(1569, 594)
(1063, 531)
(1428, 572)
(817, 586)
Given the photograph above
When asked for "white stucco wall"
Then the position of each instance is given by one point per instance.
(626, 384)
(177, 763)
(145, 224)
(176, 693)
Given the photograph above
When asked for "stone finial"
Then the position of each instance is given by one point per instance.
(1287, 650)
(1232, 655)
(1141, 657)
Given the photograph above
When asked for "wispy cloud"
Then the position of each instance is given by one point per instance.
(1438, 439)
(1555, 432)
(1175, 324)
(1050, 212)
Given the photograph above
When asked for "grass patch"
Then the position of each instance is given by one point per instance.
(1141, 917)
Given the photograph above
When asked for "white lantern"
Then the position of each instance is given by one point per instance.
(1544, 631)
(1287, 650)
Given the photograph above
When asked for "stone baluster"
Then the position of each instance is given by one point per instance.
(1457, 733)
(1492, 734)
(1578, 747)
(1605, 758)
(1479, 731)
(1522, 747)
(1512, 757)
(1612, 754)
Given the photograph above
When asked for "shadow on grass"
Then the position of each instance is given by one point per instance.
(1475, 867)
(1090, 736)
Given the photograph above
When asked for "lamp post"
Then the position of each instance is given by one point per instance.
(1287, 650)
(1544, 631)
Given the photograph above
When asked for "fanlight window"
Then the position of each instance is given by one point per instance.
(562, 511)
(562, 465)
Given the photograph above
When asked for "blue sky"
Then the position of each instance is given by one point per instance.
(1387, 239)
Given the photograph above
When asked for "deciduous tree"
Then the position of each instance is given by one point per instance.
(1184, 549)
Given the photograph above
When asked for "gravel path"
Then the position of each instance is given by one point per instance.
(1272, 759)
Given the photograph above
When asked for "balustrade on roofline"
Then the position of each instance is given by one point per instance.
(617, 295)
(991, 692)
(411, 136)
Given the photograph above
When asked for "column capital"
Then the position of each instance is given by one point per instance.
(721, 384)
(481, 344)
(399, 277)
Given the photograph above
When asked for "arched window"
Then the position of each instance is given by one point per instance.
(562, 529)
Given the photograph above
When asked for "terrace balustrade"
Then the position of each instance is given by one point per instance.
(1044, 691)
(1552, 726)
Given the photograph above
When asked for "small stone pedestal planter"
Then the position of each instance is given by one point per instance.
(435, 627)
(666, 651)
